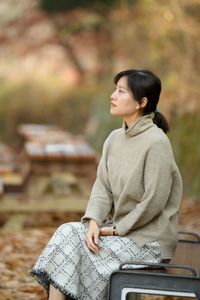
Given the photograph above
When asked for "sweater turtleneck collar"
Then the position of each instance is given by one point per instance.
(142, 124)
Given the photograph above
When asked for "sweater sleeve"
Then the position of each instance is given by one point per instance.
(157, 178)
(101, 200)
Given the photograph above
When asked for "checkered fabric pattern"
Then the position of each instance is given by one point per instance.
(68, 264)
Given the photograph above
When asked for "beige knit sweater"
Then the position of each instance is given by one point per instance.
(138, 182)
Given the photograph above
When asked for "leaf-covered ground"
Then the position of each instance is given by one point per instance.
(18, 253)
(19, 250)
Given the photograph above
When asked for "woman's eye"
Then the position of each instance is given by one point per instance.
(120, 91)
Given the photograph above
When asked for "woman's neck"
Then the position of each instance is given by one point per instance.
(130, 120)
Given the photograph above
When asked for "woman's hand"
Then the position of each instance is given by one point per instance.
(106, 231)
(92, 236)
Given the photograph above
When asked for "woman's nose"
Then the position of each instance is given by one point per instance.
(112, 96)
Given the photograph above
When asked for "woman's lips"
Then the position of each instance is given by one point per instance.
(113, 104)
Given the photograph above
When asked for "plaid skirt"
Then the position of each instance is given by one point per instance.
(68, 264)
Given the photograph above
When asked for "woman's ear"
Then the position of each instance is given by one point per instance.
(143, 102)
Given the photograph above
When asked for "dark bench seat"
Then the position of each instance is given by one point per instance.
(179, 278)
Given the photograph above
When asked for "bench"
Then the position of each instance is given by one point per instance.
(179, 278)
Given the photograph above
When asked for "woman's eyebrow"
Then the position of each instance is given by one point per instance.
(122, 87)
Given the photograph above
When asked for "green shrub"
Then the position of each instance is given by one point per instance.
(185, 140)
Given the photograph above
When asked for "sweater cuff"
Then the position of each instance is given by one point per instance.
(121, 228)
(92, 216)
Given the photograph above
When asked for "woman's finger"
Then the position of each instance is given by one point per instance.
(91, 245)
(96, 237)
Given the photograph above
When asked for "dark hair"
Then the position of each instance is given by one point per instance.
(144, 83)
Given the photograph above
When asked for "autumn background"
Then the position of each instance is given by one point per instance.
(57, 63)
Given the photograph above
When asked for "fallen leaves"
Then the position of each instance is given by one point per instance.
(19, 251)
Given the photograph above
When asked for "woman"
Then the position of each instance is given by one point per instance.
(132, 213)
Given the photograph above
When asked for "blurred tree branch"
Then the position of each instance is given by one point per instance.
(100, 27)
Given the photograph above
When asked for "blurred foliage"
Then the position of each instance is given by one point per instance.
(58, 6)
(99, 38)
(89, 23)
(100, 123)
(96, 21)
(185, 140)
(34, 102)
(162, 36)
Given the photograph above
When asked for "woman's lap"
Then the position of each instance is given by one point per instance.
(67, 262)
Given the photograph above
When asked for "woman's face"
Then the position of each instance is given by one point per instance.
(122, 102)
